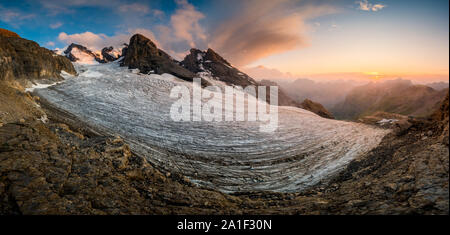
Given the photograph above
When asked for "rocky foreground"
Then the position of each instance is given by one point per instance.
(59, 168)
(52, 163)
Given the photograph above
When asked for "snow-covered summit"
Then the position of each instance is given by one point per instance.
(83, 55)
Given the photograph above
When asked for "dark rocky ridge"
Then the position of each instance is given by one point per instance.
(216, 66)
(209, 61)
(68, 52)
(144, 55)
(25, 60)
(104, 57)
(106, 53)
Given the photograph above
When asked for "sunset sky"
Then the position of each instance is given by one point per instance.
(319, 39)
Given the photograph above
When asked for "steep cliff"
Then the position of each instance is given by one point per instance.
(25, 60)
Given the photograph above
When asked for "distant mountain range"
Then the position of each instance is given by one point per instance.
(394, 96)
(352, 100)
(76, 52)
(327, 93)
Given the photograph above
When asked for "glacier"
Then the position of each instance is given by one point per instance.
(227, 156)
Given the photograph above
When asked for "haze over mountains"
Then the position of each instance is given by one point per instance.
(395, 96)
(347, 99)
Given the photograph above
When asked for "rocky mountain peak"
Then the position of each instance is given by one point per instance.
(144, 55)
(211, 64)
(76, 52)
(140, 42)
(211, 55)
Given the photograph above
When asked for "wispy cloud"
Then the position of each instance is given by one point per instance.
(55, 7)
(265, 27)
(14, 16)
(56, 25)
(184, 27)
(134, 8)
(184, 30)
(365, 5)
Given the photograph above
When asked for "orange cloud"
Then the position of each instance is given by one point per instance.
(366, 6)
(265, 27)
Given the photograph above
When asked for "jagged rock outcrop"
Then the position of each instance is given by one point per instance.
(144, 55)
(108, 56)
(441, 118)
(25, 60)
(316, 108)
(75, 51)
(212, 64)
